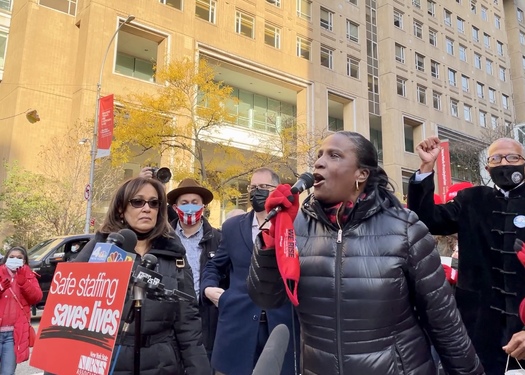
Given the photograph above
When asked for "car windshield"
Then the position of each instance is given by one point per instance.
(38, 251)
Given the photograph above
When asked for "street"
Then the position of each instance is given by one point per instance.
(24, 368)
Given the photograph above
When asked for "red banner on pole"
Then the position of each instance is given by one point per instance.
(443, 170)
(81, 319)
(105, 126)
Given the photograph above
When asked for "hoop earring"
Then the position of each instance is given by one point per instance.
(356, 185)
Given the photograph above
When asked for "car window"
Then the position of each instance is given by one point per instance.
(38, 251)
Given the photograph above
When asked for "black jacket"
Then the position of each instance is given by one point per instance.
(372, 295)
(491, 280)
(209, 313)
(171, 331)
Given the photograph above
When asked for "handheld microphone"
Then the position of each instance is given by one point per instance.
(119, 247)
(272, 357)
(130, 240)
(305, 181)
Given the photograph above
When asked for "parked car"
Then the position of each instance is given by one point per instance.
(43, 258)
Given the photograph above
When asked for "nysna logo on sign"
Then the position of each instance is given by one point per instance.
(96, 364)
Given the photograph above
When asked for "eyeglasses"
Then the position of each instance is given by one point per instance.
(510, 158)
(260, 187)
(139, 203)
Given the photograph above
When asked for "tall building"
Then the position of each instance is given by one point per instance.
(395, 71)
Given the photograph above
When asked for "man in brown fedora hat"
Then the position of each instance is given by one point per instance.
(201, 240)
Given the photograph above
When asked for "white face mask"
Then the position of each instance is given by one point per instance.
(14, 263)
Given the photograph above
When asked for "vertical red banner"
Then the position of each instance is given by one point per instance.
(443, 170)
(105, 126)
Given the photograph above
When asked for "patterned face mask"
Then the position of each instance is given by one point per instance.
(189, 214)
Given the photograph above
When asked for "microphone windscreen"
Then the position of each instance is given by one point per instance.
(130, 240)
(149, 261)
(272, 357)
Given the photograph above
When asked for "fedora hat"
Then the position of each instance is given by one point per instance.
(190, 186)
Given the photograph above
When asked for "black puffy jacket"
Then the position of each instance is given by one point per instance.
(372, 295)
(171, 331)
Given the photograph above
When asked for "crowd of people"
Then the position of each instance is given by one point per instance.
(372, 296)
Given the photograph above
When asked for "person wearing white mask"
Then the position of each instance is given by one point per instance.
(19, 290)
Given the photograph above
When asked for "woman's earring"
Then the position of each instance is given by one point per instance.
(356, 185)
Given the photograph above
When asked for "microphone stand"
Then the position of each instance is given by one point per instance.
(138, 298)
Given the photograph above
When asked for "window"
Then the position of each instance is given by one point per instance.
(431, 8)
(432, 37)
(522, 61)
(465, 85)
(352, 31)
(352, 67)
(66, 6)
(497, 21)
(398, 19)
(486, 40)
(272, 36)
(327, 57)
(480, 90)
(451, 77)
(136, 54)
(488, 66)
(454, 107)
(400, 53)
(520, 15)
(484, 16)
(502, 73)
(461, 25)
(473, 6)
(353, 2)
(416, 3)
(492, 95)
(436, 100)
(206, 9)
(327, 19)
(420, 62)
(6, 5)
(462, 53)
(450, 46)
(177, 4)
(409, 138)
(475, 34)
(467, 112)
(434, 69)
(522, 38)
(304, 9)
(335, 124)
(447, 18)
(303, 48)
(482, 119)
(494, 121)
(421, 94)
(505, 101)
(500, 48)
(418, 29)
(401, 86)
(244, 24)
(477, 60)
(3, 49)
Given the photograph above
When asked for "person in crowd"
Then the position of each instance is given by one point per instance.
(171, 331)
(19, 290)
(372, 295)
(487, 221)
(200, 240)
(234, 212)
(243, 327)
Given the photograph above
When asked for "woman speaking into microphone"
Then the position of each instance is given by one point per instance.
(371, 296)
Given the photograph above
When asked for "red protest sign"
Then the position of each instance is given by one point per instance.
(80, 322)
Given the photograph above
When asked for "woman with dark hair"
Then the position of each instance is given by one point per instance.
(171, 331)
(372, 295)
(19, 290)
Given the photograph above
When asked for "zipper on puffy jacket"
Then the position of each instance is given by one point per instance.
(338, 261)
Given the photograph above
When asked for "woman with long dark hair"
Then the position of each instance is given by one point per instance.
(372, 295)
(19, 290)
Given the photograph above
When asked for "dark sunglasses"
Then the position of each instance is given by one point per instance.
(139, 203)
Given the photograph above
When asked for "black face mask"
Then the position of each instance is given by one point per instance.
(507, 177)
(258, 198)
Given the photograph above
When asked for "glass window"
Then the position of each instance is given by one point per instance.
(486, 40)
(66, 6)
(416, 3)
(452, 77)
(352, 31)
(477, 60)
(475, 34)
(3, 48)
(244, 24)
(327, 19)
(418, 29)
(398, 18)
(335, 124)
(454, 107)
(6, 5)
(205, 9)
(488, 66)
(492, 95)
(177, 4)
(497, 21)
(450, 46)
(447, 18)
(502, 73)
(421, 94)
(494, 121)
(505, 101)
(467, 112)
(500, 48)
(400, 53)
(436, 100)
(303, 48)
(465, 85)
(401, 86)
(432, 37)
(327, 57)
(304, 9)
(484, 15)
(520, 15)
(352, 67)
(420, 62)
(462, 53)
(480, 90)
(409, 138)
(522, 38)
(482, 118)
(473, 6)
(434, 68)
(431, 8)
(272, 36)
(461, 25)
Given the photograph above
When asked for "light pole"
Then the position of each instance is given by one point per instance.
(93, 153)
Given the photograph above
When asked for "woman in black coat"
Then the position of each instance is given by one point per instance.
(372, 293)
(171, 331)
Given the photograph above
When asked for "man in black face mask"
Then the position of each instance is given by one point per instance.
(243, 327)
(488, 220)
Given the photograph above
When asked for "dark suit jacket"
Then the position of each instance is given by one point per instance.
(236, 340)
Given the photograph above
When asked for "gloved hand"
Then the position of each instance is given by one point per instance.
(519, 248)
(5, 284)
(20, 275)
(282, 196)
(451, 274)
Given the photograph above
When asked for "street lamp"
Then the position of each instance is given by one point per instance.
(93, 153)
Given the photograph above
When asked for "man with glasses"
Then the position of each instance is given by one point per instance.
(243, 327)
(491, 280)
